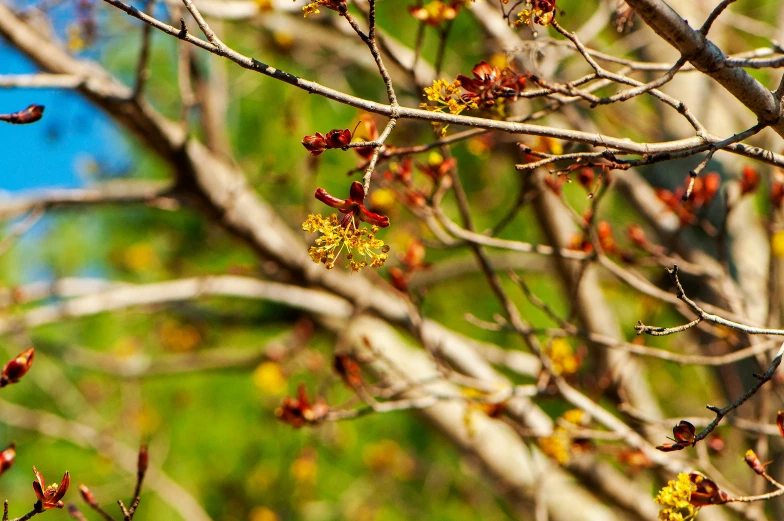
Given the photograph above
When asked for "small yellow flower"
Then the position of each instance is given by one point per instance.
(676, 498)
(335, 238)
(557, 445)
(562, 357)
(446, 95)
(574, 416)
(777, 243)
(313, 7)
(541, 12)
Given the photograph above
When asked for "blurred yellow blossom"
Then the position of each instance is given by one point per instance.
(179, 338)
(263, 514)
(574, 416)
(562, 357)
(777, 243)
(557, 445)
(387, 457)
(269, 378)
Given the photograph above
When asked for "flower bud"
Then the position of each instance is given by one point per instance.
(7, 458)
(144, 459)
(87, 495)
(17, 367)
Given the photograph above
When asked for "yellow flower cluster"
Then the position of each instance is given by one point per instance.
(675, 497)
(446, 96)
(335, 238)
(540, 16)
(557, 445)
(313, 7)
(562, 356)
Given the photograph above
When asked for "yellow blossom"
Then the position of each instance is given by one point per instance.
(676, 498)
(557, 445)
(313, 7)
(562, 357)
(269, 378)
(447, 96)
(540, 11)
(574, 416)
(335, 238)
(263, 514)
(777, 243)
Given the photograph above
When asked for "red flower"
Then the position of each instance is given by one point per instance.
(585, 177)
(7, 458)
(707, 493)
(483, 83)
(353, 206)
(318, 143)
(777, 193)
(349, 370)
(636, 234)
(749, 181)
(605, 235)
(16, 368)
(684, 434)
(489, 83)
(49, 497)
(300, 411)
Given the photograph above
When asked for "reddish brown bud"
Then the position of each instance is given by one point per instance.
(777, 193)
(635, 458)
(398, 279)
(7, 458)
(636, 234)
(749, 181)
(29, 115)
(710, 186)
(143, 460)
(604, 231)
(338, 138)
(780, 422)
(87, 495)
(349, 370)
(670, 447)
(315, 144)
(300, 410)
(585, 177)
(754, 463)
(17, 367)
(684, 433)
(716, 443)
(707, 491)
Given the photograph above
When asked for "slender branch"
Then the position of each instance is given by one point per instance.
(701, 315)
(714, 15)
(142, 68)
(722, 412)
